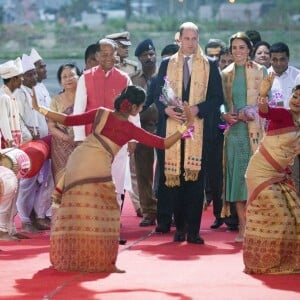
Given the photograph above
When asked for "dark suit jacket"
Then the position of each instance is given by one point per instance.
(207, 109)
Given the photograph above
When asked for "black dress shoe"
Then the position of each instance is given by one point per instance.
(195, 238)
(233, 228)
(139, 213)
(162, 229)
(179, 236)
(218, 223)
(147, 221)
(122, 241)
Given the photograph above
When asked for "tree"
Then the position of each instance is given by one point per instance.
(128, 9)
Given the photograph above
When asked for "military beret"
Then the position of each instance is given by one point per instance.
(121, 37)
(143, 46)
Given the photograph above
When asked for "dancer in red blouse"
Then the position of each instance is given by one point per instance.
(272, 235)
(85, 234)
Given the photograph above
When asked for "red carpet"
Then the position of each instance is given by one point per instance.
(156, 268)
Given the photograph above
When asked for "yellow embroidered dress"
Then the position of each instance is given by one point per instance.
(272, 235)
(85, 234)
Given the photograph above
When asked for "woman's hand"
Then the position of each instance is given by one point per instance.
(175, 115)
(230, 118)
(181, 129)
(243, 117)
(188, 114)
(266, 85)
(263, 104)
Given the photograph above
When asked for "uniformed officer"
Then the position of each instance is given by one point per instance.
(144, 155)
(123, 41)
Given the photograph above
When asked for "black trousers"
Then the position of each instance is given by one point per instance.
(184, 201)
(164, 204)
(213, 159)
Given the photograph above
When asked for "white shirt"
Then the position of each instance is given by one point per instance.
(297, 80)
(28, 115)
(283, 85)
(9, 114)
(80, 103)
(44, 99)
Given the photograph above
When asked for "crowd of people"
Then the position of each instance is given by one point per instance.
(215, 125)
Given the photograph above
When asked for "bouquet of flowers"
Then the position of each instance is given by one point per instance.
(277, 99)
(169, 98)
(250, 112)
(244, 114)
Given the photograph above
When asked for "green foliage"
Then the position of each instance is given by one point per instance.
(67, 41)
(116, 24)
(1, 14)
(74, 10)
(166, 24)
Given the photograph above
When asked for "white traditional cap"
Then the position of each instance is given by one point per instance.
(27, 63)
(11, 68)
(35, 56)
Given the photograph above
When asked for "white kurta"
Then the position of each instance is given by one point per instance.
(44, 99)
(10, 128)
(34, 192)
(9, 121)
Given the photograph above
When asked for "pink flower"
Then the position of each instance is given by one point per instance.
(277, 97)
(189, 133)
(250, 64)
(125, 106)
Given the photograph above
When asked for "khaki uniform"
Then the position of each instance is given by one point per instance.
(128, 66)
(144, 155)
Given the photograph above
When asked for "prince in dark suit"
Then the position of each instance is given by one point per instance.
(181, 171)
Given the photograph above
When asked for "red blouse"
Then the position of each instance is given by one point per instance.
(119, 131)
(278, 117)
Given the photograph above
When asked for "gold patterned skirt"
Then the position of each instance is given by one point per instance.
(272, 234)
(86, 231)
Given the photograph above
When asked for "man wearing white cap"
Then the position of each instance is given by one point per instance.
(34, 193)
(44, 99)
(11, 73)
(41, 91)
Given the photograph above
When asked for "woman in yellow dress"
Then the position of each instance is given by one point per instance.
(272, 235)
